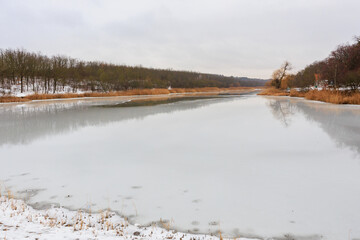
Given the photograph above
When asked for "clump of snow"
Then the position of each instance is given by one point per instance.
(20, 221)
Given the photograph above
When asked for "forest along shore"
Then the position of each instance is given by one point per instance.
(133, 92)
(336, 79)
(335, 96)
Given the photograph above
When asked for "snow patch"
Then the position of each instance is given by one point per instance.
(19, 221)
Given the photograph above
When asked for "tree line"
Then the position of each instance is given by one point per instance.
(340, 69)
(42, 74)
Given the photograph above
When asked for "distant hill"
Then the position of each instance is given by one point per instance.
(251, 82)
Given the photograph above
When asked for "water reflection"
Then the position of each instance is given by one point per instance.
(23, 123)
(282, 110)
(338, 121)
(228, 166)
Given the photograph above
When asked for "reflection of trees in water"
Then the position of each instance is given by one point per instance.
(27, 122)
(340, 122)
(282, 111)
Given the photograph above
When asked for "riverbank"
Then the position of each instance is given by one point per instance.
(329, 96)
(20, 221)
(155, 91)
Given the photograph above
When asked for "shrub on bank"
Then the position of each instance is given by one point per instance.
(273, 92)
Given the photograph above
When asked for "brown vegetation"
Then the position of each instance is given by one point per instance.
(329, 96)
(280, 77)
(8, 99)
(296, 93)
(273, 92)
(333, 96)
(154, 91)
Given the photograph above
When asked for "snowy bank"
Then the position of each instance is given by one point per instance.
(20, 221)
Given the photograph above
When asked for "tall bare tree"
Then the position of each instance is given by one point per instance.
(279, 74)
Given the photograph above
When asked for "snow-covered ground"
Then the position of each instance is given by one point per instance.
(20, 221)
(16, 90)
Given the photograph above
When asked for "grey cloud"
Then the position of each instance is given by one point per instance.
(231, 37)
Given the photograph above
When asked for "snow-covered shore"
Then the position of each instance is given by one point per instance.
(15, 90)
(19, 221)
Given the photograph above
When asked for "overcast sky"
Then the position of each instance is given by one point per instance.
(231, 37)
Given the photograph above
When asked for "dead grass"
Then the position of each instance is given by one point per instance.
(296, 93)
(220, 236)
(166, 224)
(8, 99)
(329, 96)
(8, 193)
(333, 96)
(155, 91)
(208, 89)
(273, 92)
(105, 223)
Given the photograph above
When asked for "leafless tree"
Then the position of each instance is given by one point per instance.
(280, 74)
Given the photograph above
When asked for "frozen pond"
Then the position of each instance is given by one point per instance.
(247, 165)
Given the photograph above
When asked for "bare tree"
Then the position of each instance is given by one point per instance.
(280, 74)
(40, 73)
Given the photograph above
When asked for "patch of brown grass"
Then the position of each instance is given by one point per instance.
(177, 90)
(333, 96)
(154, 91)
(208, 89)
(329, 96)
(166, 223)
(53, 96)
(296, 93)
(273, 92)
(7, 99)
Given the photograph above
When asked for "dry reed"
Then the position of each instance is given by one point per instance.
(334, 96)
(296, 93)
(329, 96)
(273, 92)
(154, 91)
